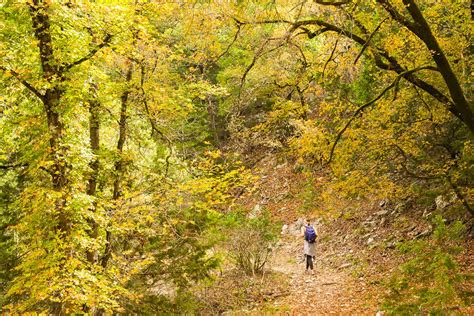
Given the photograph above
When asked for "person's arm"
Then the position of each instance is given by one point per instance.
(302, 231)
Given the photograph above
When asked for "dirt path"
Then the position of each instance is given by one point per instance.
(328, 291)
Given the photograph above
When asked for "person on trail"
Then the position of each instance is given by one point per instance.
(309, 234)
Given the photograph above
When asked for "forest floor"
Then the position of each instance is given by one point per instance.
(328, 291)
(356, 253)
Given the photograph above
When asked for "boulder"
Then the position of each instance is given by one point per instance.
(441, 202)
(295, 228)
(284, 229)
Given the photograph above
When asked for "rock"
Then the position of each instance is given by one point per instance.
(370, 240)
(295, 228)
(380, 313)
(284, 229)
(441, 203)
(382, 213)
(382, 221)
(383, 202)
(257, 209)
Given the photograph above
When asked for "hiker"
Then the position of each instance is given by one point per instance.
(309, 234)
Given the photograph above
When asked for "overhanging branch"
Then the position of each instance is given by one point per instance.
(371, 102)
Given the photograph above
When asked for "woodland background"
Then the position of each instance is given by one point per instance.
(151, 150)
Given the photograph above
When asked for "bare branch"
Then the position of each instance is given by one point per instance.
(333, 3)
(233, 40)
(368, 41)
(23, 82)
(397, 16)
(257, 55)
(330, 56)
(366, 105)
(152, 122)
(405, 167)
(92, 52)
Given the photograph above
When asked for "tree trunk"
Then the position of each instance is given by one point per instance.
(119, 164)
(94, 140)
(51, 102)
(423, 31)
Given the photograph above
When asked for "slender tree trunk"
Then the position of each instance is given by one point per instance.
(212, 120)
(119, 164)
(94, 139)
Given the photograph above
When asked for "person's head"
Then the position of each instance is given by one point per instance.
(308, 222)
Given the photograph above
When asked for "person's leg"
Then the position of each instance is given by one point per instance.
(310, 262)
(308, 258)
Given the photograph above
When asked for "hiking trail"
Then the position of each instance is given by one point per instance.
(328, 291)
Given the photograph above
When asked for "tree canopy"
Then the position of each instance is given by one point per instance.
(128, 128)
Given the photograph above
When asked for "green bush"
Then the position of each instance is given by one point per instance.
(250, 242)
(430, 281)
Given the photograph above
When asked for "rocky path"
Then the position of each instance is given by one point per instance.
(328, 291)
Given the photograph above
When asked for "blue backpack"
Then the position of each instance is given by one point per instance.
(310, 234)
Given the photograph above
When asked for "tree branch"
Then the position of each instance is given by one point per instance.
(92, 52)
(152, 122)
(368, 41)
(13, 166)
(333, 3)
(405, 168)
(233, 40)
(330, 56)
(397, 16)
(460, 106)
(380, 54)
(457, 106)
(366, 105)
(23, 82)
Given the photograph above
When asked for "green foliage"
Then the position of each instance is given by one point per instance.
(249, 241)
(430, 280)
(8, 218)
(127, 219)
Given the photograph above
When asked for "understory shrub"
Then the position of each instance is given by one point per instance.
(250, 242)
(430, 281)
